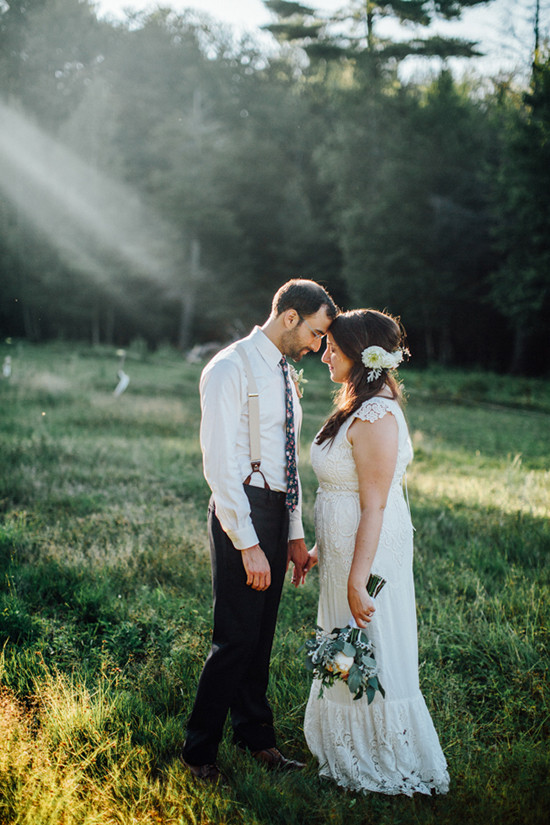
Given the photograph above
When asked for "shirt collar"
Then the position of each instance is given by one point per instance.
(267, 349)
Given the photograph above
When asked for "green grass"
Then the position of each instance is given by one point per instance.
(105, 599)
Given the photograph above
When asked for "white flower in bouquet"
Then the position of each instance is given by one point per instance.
(342, 663)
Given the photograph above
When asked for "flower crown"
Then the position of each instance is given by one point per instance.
(377, 359)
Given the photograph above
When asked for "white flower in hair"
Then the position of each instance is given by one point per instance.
(377, 359)
(373, 357)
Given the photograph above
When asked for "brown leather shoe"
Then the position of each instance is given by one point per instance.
(209, 774)
(273, 759)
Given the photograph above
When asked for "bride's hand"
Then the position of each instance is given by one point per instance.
(360, 603)
(311, 562)
(313, 559)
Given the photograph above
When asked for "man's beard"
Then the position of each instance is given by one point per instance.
(292, 347)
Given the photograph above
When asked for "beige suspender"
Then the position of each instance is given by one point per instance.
(253, 418)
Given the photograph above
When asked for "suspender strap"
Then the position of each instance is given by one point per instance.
(253, 419)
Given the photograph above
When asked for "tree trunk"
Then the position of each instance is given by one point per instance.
(445, 345)
(429, 345)
(95, 326)
(30, 325)
(189, 297)
(519, 347)
(110, 325)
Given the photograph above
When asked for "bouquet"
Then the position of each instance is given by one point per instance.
(346, 655)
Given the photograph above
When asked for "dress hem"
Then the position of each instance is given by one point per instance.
(426, 788)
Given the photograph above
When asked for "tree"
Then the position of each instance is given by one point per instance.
(14, 26)
(521, 212)
(60, 46)
(352, 33)
(410, 205)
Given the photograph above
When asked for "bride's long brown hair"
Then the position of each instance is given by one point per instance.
(353, 332)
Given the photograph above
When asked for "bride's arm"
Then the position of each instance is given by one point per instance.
(375, 454)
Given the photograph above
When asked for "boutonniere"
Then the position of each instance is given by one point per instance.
(298, 379)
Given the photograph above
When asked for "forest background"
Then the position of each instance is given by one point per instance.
(161, 175)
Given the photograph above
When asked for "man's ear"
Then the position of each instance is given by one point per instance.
(290, 318)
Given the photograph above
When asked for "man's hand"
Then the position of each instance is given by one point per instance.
(256, 565)
(298, 555)
(312, 560)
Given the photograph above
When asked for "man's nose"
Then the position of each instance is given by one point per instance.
(316, 346)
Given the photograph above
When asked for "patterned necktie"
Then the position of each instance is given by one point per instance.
(291, 499)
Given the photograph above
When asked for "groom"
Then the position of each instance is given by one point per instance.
(254, 521)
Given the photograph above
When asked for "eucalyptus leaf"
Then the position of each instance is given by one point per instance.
(348, 649)
(355, 678)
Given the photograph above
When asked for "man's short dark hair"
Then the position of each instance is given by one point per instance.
(306, 297)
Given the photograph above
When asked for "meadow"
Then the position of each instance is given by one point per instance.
(105, 599)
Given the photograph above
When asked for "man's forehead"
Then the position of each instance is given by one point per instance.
(320, 319)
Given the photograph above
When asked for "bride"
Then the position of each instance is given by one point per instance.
(363, 525)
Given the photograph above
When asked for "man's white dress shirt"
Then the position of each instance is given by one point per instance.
(225, 439)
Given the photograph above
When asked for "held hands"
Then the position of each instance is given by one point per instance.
(256, 565)
(298, 555)
(361, 605)
(310, 562)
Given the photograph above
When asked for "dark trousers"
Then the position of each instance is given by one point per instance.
(235, 675)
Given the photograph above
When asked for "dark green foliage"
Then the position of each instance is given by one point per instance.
(352, 32)
(521, 207)
(427, 197)
(284, 8)
(430, 47)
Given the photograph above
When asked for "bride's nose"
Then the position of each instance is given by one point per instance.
(325, 356)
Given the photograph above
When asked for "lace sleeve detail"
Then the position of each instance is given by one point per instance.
(373, 409)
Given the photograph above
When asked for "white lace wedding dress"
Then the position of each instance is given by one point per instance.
(391, 745)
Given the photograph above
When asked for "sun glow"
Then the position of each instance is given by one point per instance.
(100, 227)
